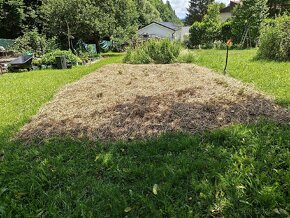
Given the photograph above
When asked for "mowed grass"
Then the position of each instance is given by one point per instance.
(22, 94)
(238, 171)
(242, 171)
(270, 77)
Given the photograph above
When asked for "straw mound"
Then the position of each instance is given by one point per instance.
(135, 101)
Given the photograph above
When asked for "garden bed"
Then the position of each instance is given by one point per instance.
(136, 101)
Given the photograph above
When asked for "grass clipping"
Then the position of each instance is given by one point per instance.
(136, 101)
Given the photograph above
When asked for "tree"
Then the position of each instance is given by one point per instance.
(147, 13)
(89, 20)
(126, 23)
(278, 7)
(196, 11)
(167, 13)
(69, 19)
(33, 41)
(221, 5)
(11, 18)
(247, 19)
(212, 23)
(209, 30)
(33, 18)
(155, 10)
(17, 16)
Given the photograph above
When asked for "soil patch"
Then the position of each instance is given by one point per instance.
(123, 101)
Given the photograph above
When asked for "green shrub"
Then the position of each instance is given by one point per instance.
(36, 61)
(275, 39)
(219, 45)
(138, 55)
(83, 55)
(34, 42)
(186, 56)
(154, 51)
(49, 58)
(163, 51)
(226, 31)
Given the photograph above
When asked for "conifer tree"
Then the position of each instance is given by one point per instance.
(196, 11)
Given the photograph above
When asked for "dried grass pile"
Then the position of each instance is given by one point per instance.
(135, 101)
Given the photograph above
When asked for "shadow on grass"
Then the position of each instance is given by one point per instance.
(257, 58)
(7, 132)
(239, 171)
(285, 103)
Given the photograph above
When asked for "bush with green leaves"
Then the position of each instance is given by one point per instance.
(197, 31)
(154, 51)
(138, 55)
(34, 42)
(226, 31)
(186, 56)
(208, 30)
(275, 39)
(49, 58)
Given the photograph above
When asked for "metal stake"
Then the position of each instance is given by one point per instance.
(227, 58)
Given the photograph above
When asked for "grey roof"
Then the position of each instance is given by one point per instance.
(169, 25)
(230, 7)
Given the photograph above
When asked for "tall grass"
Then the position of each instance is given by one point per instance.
(186, 56)
(157, 51)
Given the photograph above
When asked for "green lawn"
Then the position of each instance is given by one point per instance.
(270, 77)
(22, 94)
(239, 171)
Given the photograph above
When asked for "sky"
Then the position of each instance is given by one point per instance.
(180, 6)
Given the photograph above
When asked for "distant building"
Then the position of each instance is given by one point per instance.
(227, 12)
(164, 30)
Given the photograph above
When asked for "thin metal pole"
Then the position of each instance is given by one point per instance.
(227, 58)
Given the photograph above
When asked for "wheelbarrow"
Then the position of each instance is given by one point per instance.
(22, 62)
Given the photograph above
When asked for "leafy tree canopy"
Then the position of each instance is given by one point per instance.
(247, 21)
(81, 18)
(209, 29)
(155, 10)
(12, 18)
(278, 7)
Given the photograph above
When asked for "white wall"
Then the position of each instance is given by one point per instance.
(157, 30)
(182, 33)
(225, 16)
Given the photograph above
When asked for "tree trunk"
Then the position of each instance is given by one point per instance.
(68, 36)
(98, 48)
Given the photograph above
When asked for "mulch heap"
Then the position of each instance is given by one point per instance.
(136, 101)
